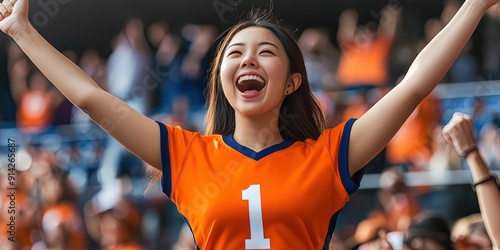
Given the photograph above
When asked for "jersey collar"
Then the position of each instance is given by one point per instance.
(231, 142)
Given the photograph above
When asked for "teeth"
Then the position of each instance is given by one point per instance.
(250, 77)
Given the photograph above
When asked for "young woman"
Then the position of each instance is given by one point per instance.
(267, 175)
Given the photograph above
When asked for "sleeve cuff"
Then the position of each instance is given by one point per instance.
(351, 184)
(166, 179)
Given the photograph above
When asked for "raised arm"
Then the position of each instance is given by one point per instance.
(18, 78)
(460, 134)
(136, 132)
(371, 132)
(389, 19)
(348, 22)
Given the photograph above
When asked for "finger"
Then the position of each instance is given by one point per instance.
(454, 120)
(460, 118)
(8, 6)
(465, 118)
(465, 125)
(447, 137)
(460, 114)
(447, 132)
(471, 129)
(12, 2)
(448, 128)
(459, 121)
(3, 10)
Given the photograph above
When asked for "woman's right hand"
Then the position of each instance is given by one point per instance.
(14, 17)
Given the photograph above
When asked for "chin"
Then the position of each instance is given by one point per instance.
(249, 112)
(255, 111)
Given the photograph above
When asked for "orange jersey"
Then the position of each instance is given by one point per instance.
(284, 197)
(415, 138)
(367, 64)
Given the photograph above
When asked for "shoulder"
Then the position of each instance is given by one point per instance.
(334, 136)
(176, 133)
(339, 129)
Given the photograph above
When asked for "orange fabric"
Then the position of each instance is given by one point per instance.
(131, 246)
(414, 139)
(367, 65)
(216, 188)
(35, 110)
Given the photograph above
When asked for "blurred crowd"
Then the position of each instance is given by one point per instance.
(68, 199)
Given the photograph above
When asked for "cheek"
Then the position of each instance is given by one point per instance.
(226, 74)
(277, 69)
(279, 79)
(226, 86)
(228, 92)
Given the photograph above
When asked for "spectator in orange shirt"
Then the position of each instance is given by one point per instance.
(412, 144)
(35, 97)
(365, 50)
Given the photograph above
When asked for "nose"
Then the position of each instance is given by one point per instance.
(249, 61)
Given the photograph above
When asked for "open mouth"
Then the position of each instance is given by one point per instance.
(250, 82)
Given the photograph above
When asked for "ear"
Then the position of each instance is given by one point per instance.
(293, 83)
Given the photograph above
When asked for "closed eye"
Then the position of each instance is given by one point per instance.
(267, 52)
(234, 52)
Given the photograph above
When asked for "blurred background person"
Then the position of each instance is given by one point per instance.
(127, 64)
(35, 96)
(365, 49)
(113, 220)
(428, 231)
(469, 233)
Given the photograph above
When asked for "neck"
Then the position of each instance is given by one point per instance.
(257, 132)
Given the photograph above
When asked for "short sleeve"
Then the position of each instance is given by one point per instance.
(174, 143)
(338, 143)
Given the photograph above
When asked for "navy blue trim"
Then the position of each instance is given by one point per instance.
(331, 228)
(166, 178)
(350, 184)
(231, 142)
(189, 225)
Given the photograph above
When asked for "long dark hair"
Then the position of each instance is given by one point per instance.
(300, 115)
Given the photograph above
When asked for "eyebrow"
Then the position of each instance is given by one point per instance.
(260, 44)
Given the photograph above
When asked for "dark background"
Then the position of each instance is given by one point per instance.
(92, 24)
(81, 24)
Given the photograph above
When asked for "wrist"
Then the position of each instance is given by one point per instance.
(468, 151)
(22, 32)
(490, 178)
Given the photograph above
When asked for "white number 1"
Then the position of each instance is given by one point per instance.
(257, 240)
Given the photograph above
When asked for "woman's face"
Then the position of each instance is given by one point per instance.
(254, 72)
